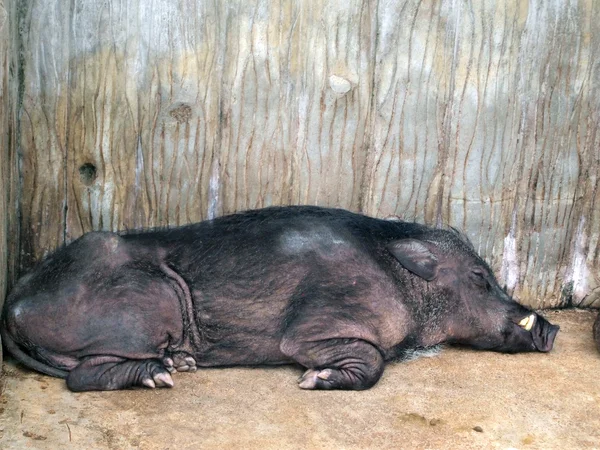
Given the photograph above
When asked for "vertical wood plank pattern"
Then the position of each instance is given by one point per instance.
(8, 167)
(296, 93)
(43, 126)
(486, 118)
(4, 152)
(143, 114)
(477, 114)
(5, 117)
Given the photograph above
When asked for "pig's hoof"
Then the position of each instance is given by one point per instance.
(169, 364)
(158, 379)
(179, 362)
(313, 379)
(188, 364)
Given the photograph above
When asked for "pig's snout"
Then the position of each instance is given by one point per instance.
(543, 332)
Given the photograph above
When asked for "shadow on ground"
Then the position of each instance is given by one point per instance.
(458, 399)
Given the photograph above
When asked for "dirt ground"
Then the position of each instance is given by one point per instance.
(457, 399)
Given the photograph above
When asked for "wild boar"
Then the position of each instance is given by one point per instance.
(337, 292)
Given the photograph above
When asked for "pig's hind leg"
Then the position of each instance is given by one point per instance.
(134, 323)
(351, 364)
(106, 373)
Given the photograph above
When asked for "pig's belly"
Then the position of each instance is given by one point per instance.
(235, 353)
(240, 332)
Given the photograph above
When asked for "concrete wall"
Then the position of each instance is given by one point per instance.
(481, 115)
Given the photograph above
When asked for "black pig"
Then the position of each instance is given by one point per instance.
(337, 292)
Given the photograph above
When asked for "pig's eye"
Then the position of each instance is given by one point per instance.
(480, 279)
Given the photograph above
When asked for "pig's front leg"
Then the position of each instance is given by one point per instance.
(351, 364)
(179, 362)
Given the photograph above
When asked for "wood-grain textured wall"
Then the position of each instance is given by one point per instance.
(482, 115)
(8, 167)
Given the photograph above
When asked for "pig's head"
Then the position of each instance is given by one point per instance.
(463, 300)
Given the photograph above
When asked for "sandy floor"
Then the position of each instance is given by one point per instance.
(458, 399)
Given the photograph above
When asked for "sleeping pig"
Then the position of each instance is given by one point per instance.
(335, 292)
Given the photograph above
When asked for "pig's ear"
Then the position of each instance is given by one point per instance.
(416, 257)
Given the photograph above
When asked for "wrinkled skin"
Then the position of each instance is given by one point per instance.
(336, 292)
